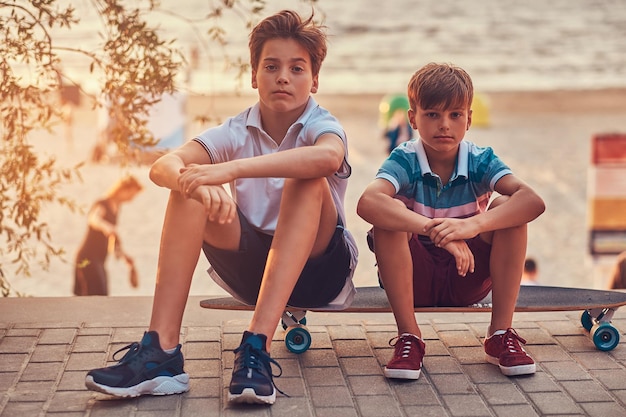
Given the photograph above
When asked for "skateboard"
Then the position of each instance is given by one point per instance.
(598, 308)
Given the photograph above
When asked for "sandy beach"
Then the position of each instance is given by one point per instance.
(543, 136)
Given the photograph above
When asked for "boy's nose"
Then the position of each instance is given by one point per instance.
(282, 78)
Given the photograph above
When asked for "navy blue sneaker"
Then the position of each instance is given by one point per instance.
(253, 381)
(145, 369)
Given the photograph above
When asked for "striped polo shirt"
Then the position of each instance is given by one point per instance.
(466, 194)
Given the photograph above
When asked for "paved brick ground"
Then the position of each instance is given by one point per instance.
(48, 344)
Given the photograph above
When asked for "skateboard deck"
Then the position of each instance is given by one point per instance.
(532, 298)
(597, 306)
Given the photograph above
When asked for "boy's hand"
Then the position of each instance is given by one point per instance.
(463, 256)
(445, 230)
(218, 205)
(203, 183)
(193, 176)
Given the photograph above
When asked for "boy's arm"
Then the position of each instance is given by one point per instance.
(522, 206)
(166, 170)
(378, 207)
(320, 160)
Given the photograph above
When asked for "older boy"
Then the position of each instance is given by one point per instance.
(438, 241)
(279, 240)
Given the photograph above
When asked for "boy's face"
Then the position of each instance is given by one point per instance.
(284, 77)
(441, 130)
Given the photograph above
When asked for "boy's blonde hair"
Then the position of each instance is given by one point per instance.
(288, 25)
(436, 86)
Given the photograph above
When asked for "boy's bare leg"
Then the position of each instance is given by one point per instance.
(508, 251)
(184, 227)
(306, 223)
(396, 272)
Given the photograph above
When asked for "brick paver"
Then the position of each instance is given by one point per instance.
(43, 361)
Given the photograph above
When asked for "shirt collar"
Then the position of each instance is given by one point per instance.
(254, 116)
(462, 166)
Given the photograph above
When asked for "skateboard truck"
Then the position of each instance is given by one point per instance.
(297, 337)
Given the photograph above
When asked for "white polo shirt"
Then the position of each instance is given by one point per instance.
(242, 136)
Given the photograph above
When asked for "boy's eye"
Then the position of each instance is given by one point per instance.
(456, 115)
(431, 115)
(298, 69)
(270, 67)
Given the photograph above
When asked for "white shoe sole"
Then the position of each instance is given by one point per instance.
(401, 373)
(161, 385)
(248, 396)
(513, 370)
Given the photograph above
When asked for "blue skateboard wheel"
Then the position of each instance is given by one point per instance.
(297, 339)
(586, 320)
(605, 336)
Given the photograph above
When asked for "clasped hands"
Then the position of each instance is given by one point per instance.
(204, 183)
(450, 234)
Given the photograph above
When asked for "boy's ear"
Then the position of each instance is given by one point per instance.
(411, 115)
(315, 84)
(254, 83)
(469, 119)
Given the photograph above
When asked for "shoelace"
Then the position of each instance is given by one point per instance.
(406, 346)
(512, 340)
(256, 358)
(133, 348)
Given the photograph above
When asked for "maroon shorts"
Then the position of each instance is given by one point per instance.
(435, 278)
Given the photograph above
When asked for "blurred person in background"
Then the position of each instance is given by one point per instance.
(90, 275)
(531, 272)
(395, 121)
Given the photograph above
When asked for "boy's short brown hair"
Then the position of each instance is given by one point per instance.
(289, 25)
(440, 86)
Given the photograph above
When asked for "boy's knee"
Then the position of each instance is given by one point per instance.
(308, 189)
(498, 200)
(389, 237)
(506, 237)
(300, 184)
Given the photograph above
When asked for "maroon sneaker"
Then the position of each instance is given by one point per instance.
(407, 358)
(504, 348)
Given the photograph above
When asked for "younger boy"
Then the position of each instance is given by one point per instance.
(438, 241)
(280, 239)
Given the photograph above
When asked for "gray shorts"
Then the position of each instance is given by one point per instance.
(320, 282)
